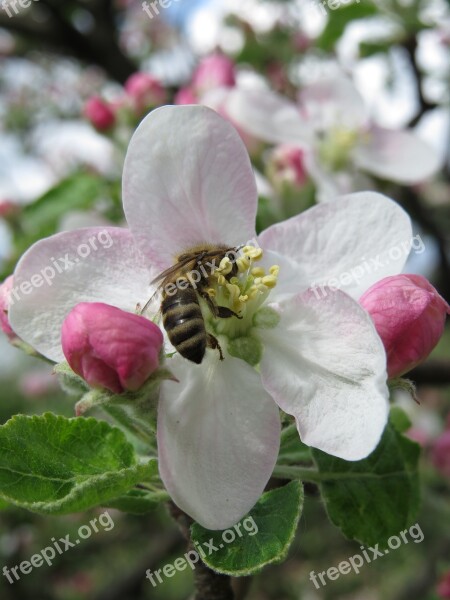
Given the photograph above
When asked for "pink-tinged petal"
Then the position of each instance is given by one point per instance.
(333, 102)
(218, 439)
(187, 180)
(268, 116)
(5, 299)
(325, 365)
(109, 347)
(399, 156)
(52, 277)
(351, 243)
(409, 316)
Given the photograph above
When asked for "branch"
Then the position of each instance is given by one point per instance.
(208, 584)
(411, 48)
(100, 46)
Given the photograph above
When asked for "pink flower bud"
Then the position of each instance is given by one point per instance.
(443, 589)
(186, 95)
(409, 316)
(8, 209)
(213, 72)
(145, 91)
(440, 454)
(99, 113)
(5, 300)
(111, 348)
(287, 166)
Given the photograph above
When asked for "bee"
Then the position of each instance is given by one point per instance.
(180, 307)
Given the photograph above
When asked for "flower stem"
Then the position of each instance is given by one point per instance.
(208, 584)
(303, 473)
(123, 418)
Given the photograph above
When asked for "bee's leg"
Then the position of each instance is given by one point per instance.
(220, 312)
(213, 343)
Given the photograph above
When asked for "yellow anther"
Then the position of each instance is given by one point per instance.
(275, 270)
(211, 293)
(254, 293)
(234, 290)
(258, 281)
(252, 252)
(220, 279)
(269, 281)
(258, 272)
(225, 266)
(243, 263)
(243, 299)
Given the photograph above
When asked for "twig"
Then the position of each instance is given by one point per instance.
(208, 584)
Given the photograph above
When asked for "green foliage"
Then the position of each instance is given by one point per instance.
(54, 465)
(138, 502)
(292, 449)
(42, 218)
(375, 498)
(276, 515)
(338, 21)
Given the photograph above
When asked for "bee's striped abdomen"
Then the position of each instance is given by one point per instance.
(184, 324)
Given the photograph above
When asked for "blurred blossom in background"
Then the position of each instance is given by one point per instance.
(77, 77)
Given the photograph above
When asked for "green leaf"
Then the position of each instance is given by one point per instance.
(339, 19)
(375, 498)
(138, 502)
(266, 534)
(399, 419)
(292, 449)
(77, 192)
(54, 465)
(4, 505)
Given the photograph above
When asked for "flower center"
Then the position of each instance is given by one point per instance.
(243, 293)
(336, 147)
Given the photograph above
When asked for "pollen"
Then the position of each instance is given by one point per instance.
(244, 292)
(225, 267)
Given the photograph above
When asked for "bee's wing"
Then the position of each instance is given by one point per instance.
(166, 276)
(177, 267)
(150, 302)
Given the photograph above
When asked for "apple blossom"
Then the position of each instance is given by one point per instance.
(409, 316)
(99, 113)
(109, 347)
(145, 91)
(287, 167)
(188, 181)
(332, 125)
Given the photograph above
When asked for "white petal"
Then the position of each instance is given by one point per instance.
(325, 364)
(399, 156)
(351, 243)
(267, 116)
(48, 286)
(218, 439)
(187, 180)
(333, 102)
